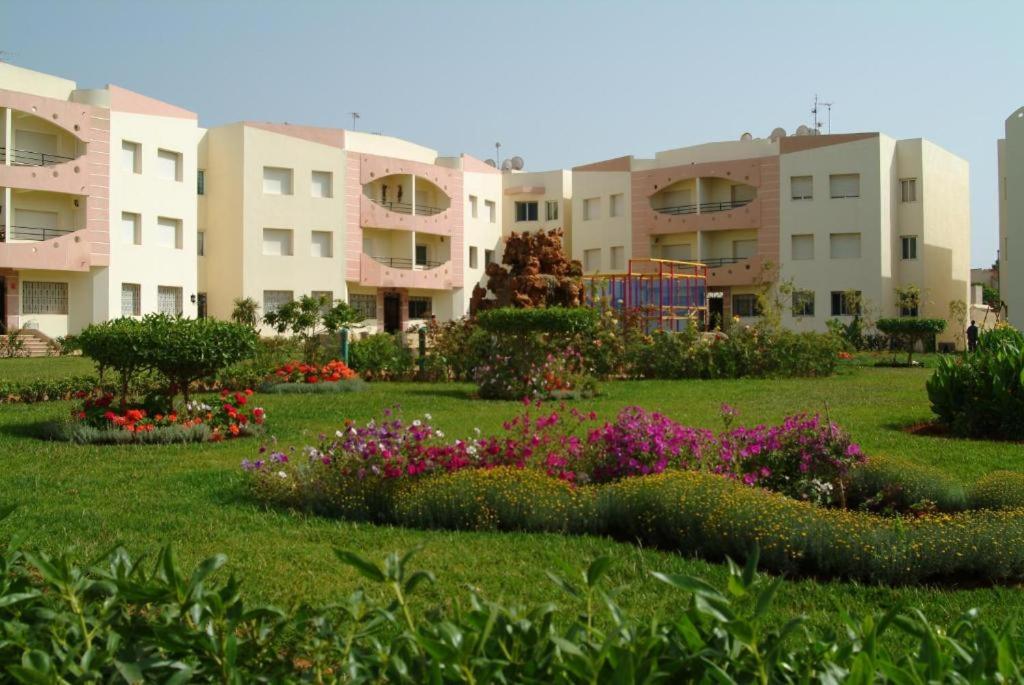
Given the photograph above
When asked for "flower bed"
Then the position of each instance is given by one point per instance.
(302, 378)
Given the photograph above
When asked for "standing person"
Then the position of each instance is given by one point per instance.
(972, 337)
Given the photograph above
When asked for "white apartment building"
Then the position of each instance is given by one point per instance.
(1011, 218)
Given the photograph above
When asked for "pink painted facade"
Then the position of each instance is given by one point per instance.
(373, 273)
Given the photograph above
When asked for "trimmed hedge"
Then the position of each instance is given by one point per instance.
(83, 434)
(46, 390)
(513, 320)
(882, 483)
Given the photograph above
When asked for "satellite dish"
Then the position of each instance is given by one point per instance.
(517, 163)
(746, 136)
(777, 132)
(506, 165)
(803, 130)
(491, 162)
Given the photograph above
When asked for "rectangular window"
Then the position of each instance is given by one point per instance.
(277, 181)
(679, 253)
(551, 210)
(168, 300)
(321, 244)
(421, 255)
(492, 210)
(488, 257)
(168, 233)
(745, 305)
(844, 304)
(168, 165)
(591, 208)
(801, 187)
(803, 246)
(364, 304)
(131, 228)
(201, 243)
(615, 205)
(908, 244)
(322, 184)
(275, 299)
(131, 299)
(131, 157)
(201, 182)
(277, 242)
(844, 245)
(803, 303)
(592, 259)
(844, 185)
(908, 311)
(744, 249)
(618, 258)
(908, 190)
(472, 257)
(42, 297)
(472, 206)
(526, 211)
(419, 307)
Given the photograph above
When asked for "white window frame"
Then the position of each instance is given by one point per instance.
(285, 181)
(551, 210)
(321, 184)
(908, 190)
(44, 298)
(174, 291)
(162, 223)
(908, 247)
(163, 156)
(316, 240)
(135, 303)
(807, 194)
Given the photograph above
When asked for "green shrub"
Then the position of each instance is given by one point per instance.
(46, 389)
(884, 484)
(999, 490)
(515, 321)
(908, 331)
(503, 498)
(381, 356)
(84, 434)
(121, 345)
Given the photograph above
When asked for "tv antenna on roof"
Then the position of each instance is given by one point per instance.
(512, 164)
(355, 117)
(815, 112)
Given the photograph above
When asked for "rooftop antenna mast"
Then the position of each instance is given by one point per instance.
(355, 117)
(815, 111)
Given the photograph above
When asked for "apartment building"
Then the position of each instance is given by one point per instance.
(1011, 218)
(827, 214)
(98, 204)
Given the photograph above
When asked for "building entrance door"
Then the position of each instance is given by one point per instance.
(716, 310)
(392, 313)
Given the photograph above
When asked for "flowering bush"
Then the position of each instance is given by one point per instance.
(300, 372)
(517, 376)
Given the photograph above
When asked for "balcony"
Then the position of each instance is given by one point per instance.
(402, 272)
(33, 233)
(20, 157)
(406, 263)
(417, 209)
(406, 202)
(702, 208)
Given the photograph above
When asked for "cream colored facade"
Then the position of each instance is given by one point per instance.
(1011, 218)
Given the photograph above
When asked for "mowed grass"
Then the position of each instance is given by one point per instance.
(34, 368)
(92, 498)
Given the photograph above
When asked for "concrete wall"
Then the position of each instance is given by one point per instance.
(1011, 218)
(603, 231)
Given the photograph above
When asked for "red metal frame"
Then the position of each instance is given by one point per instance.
(650, 288)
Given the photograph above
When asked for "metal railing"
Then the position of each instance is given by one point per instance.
(406, 263)
(34, 233)
(702, 207)
(715, 262)
(407, 208)
(32, 158)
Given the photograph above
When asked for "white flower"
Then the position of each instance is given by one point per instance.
(338, 433)
(440, 434)
(282, 474)
(416, 422)
(428, 417)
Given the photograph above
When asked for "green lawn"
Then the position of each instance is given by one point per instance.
(92, 498)
(36, 368)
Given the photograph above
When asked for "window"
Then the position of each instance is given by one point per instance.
(592, 259)
(131, 157)
(492, 210)
(615, 205)
(803, 246)
(421, 255)
(526, 211)
(551, 210)
(322, 184)
(419, 307)
(745, 305)
(908, 190)
(131, 228)
(844, 245)
(201, 243)
(277, 181)
(801, 187)
(591, 208)
(131, 299)
(321, 244)
(168, 300)
(168, 233)
(803, 303)
(201, 182)
(41, 297)
(744, 249)
(472, 257)
(168, 165)
(908, 244)
(844, 185)
(845, 303)
(274, 299)
(277, 242)
(679, 253)
(472, 206)
(488, 257)
(908, 311)
(364, 304)
(618, 256)
(324, 297)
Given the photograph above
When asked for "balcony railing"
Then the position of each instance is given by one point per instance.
(702, 207)
(32, 158)
(407, 208)
(406, 263)
(34, 233)
(715, 262)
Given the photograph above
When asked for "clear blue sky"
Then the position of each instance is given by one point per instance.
(559, 83)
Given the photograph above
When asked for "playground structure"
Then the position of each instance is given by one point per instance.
(664, 293)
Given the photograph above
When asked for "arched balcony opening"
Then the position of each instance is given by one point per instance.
(37, 215)
(702, 196)
(33, 141)
(407, 194)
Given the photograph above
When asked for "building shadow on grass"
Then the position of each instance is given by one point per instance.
(454, 393)
(35, 430)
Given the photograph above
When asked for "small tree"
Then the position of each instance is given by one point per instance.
(120, 345)
(245, 312)
(908, 331)
(309, 318)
